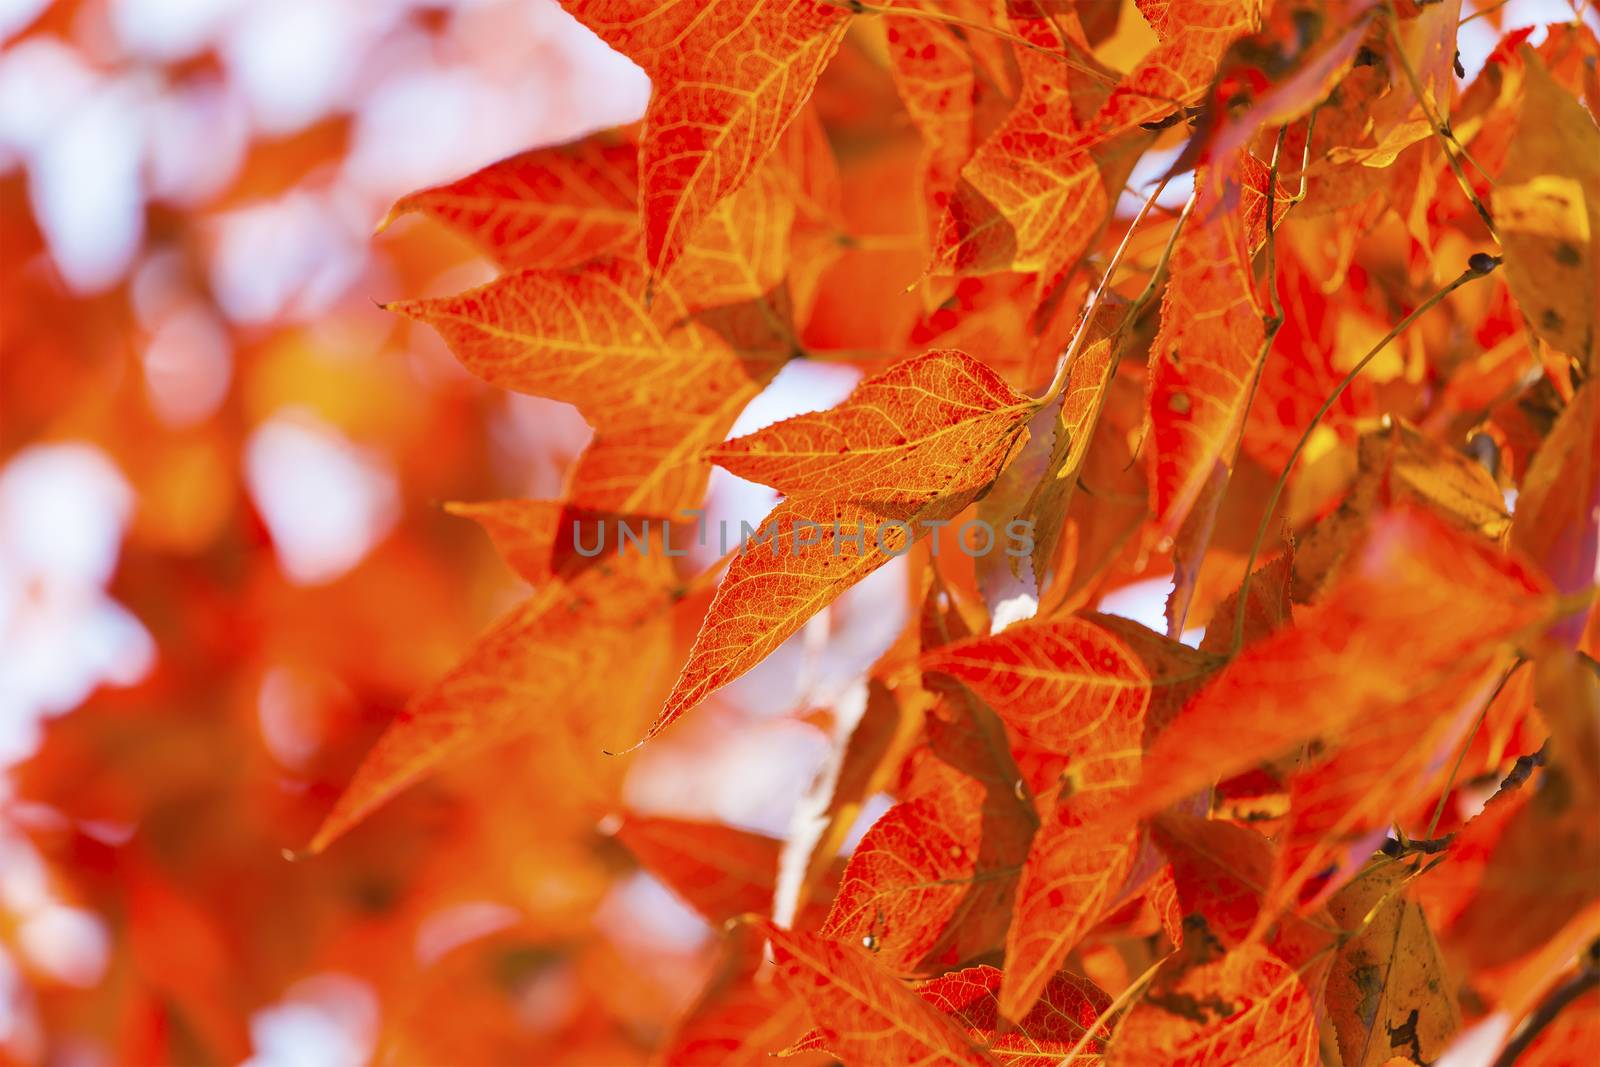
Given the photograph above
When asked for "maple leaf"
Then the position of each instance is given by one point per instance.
(543, 668)
(1388, 990)
(863, 1013)
(740, 1017)
(935, 76)
(1074, 871)
(1206, 356)
(548, 208)
(1403, 599)
(1064, 683)
(1341, 806)
(931, 882)
(1547, 206)
(1534, 851)
(1193, 36)
(1038, 488)
(660, 383)
(1036, 195)
(1069, 1006)
(1247, 1008)
(908, 448)
(727, 79)
(1557, 523)
(1072, 687)
(722, 871)
(1221, 872)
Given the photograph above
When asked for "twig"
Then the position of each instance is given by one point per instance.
(1479, 266)
(1440, 130)
(1123, 999)
(1063, 373)
(1587, 978)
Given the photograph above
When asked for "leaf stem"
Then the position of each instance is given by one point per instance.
(1440, 130)
(1479, 267)
(1123, 999)
(1063, 373)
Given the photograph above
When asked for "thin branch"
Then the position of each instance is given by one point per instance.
(1123, 999)
(1587, 978)
(1063, 373)
(1440, 130)
(1479, 266)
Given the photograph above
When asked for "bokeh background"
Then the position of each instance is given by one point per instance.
(224, 564)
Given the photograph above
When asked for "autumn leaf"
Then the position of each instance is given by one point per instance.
(1088, 383)
(1341, 805)
(1074, 872)
(728, 78)
(1535, 848)
(934, 74)
(1557, 522)
(663, 384)
(859, 769)
(544, 668)
(740, 1017)
(1193, 35)
(1388, 992)
(1249, 1007)
(1076, 689)
(548, 208)
(1049, 1032)
(1546, 203)
(1205, 359)
(1355, 824)
(1415, 593)
(1222, 872)
(931, 882)
(863, 1012)
(1039, 185)
(722, 871)
(909, 448)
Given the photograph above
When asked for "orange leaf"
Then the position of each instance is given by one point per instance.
(1557, 521)
(1418, 603)
(908, 449)
(933, 72)
(1205, 358)
(1034, 171)
(1248, 1009)
(931, 883)
(1064, 683)
(740, 1017)
(727, 79)
(722, 871)
(866, 1015)
(660, 384)
(548, 667)
(1069, 1006)
(1071, 881)
(1193, 34)
(1222, 872)
(550, 208)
